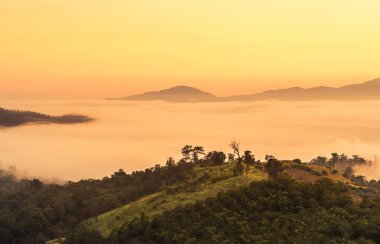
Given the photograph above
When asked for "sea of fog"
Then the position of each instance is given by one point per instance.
(137, 135)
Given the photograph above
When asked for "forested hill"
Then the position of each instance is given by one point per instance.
(202, 198)
(10, 118)
(280, 210)
(235, 203)
(34, 212)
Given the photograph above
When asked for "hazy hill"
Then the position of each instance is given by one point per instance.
(369, 90)
(10, 118)
(174, 94)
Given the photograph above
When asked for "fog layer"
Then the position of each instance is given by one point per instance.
(136, 135)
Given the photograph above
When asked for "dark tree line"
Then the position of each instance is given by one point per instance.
(9, 118)
(341, 163)
(243, 162)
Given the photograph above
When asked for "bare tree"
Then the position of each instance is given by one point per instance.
(236, 148)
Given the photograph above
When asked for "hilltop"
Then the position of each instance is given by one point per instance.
(208, 183)
(216, 200)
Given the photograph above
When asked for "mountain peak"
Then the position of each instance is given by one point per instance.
(181, 89)
(175, 94)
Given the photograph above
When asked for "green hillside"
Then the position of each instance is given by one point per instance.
(207, 183)
(303, 203)
(210, 183)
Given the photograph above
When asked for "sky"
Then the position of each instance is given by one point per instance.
(106, 48)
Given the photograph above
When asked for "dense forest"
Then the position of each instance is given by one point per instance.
(34, 212)
(280, 210)
(10, 118)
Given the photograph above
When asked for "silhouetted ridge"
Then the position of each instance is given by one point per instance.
(369, 90)
(175, 94)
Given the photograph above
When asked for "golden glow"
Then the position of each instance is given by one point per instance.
(108, 48)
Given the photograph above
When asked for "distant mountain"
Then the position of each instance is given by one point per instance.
(174, 94)
(369, 90)
(11, 118)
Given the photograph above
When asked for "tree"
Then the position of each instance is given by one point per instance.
(273, 166)
(297, 161)
(269, 157)
(37, 183)
(356, 159)
(231, 157)
(191, 154)
(196, 151)
(248, 160)
(343, 158)
(215, 158)
(119, 173)
(342, 162)
(236, 148)
(170, 162)
(334, 160)
(186, 152)
(320, 160)
(348, 172)
(239, 168)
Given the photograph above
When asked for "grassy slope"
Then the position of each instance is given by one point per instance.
(302, 175)
(219, 179)
(158, 203)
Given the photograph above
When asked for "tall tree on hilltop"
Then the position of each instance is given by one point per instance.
(196, 152)
(186, 152)
(249, 160)
(239, 167)
(273, 166)
(236, 148)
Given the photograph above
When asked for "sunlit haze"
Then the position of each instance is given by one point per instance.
(96, 49)
(137, 135)
(189, 121)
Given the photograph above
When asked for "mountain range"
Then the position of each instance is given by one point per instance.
(369, 90)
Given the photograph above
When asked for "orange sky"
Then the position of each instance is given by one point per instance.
(103, 48)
